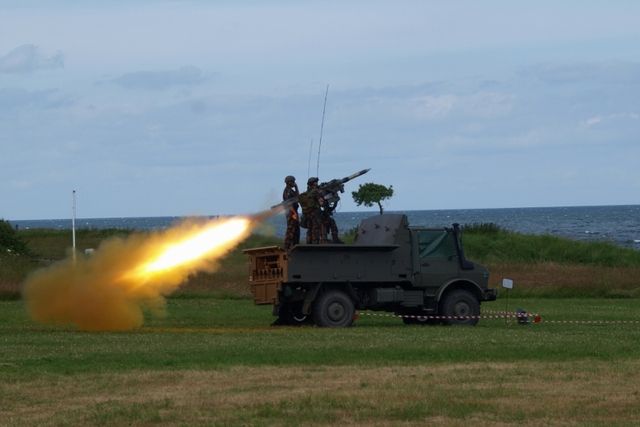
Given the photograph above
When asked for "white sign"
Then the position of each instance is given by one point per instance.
(507, 283)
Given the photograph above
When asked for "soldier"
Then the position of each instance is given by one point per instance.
(329, 224)
(292, 236)
(311, 202)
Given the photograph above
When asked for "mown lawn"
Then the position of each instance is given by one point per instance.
(217, 361)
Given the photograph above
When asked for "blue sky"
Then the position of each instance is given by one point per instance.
(193, 107)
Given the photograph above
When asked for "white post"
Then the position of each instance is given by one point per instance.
(73, 224)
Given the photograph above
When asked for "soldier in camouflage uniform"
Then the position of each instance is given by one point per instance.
(329, 224)
(311, 202)
(292, 236)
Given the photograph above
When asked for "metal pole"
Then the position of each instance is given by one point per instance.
(73, 224)
(506, 309)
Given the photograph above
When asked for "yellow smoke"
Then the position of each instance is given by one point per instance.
(110, 289)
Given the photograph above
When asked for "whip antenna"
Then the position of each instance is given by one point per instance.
(73, 223)
(324, 108)
(309, 162)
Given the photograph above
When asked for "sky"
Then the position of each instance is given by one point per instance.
(162, 108)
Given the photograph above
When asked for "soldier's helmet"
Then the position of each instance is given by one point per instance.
(289, 178)
(312, 180)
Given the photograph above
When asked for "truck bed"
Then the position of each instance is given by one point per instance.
(339, 263)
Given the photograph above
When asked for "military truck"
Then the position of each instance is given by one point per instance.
(419, 273)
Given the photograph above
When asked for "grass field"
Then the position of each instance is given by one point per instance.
(215, 361)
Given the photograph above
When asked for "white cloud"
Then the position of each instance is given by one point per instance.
(434, 107)
(621, 72)
(16, 99)
(29, 58)
(487, 104)
(597, 120)
(593, 121)
(481, 105)
(19, 184)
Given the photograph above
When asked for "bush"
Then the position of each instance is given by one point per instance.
(349, 236)
(512, 247)
(10, 241)
(482, 228)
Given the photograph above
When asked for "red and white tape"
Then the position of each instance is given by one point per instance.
(498, 315)
(595, 322)
(536, 315)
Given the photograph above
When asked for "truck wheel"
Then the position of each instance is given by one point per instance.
(333, 309)
(460, 304)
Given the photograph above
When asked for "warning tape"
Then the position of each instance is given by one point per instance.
(522, 313)
(498, 315)
(594, 322)
(522, 317)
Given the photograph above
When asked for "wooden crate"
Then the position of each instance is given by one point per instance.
(267, 271)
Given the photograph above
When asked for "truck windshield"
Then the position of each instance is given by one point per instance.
(435, 243)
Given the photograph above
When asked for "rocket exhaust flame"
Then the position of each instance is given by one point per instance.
(194, 247)
(110, 289)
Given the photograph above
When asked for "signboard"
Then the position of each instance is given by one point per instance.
(507, 283)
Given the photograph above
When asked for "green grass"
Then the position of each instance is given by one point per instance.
(55, 244)
(217, 362)
(207, 333)
(494, 245)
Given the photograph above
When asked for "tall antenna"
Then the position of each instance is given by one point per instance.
(324, 108)
(73, 223)
(309, 162)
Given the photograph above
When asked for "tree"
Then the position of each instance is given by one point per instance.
(371, 193)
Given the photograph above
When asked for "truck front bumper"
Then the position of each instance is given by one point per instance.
(489, 295)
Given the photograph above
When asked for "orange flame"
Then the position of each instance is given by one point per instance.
(110, 289)
(204, 243)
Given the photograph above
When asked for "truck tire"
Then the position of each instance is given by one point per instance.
(333, 309)
(460, 303)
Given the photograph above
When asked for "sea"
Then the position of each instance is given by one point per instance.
(616, 224)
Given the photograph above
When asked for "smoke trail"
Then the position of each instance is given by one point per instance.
(110, 289)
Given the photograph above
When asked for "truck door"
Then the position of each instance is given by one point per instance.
(437, 257)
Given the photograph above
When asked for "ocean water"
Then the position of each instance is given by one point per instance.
(617, 224)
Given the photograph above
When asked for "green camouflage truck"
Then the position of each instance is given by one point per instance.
(419, 273)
